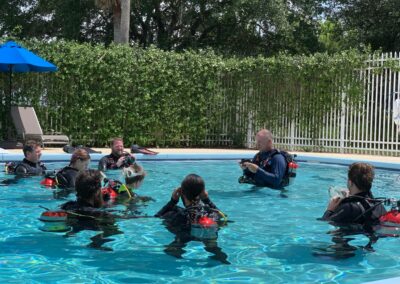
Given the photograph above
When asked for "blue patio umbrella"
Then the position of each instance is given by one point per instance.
(14, 58)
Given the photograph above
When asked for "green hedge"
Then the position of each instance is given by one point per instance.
(154, 97)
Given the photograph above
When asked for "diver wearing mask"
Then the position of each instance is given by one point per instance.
(359, 207)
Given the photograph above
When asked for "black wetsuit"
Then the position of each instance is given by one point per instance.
(109, 162)
(272, 169)
(66, 177)
(83, 216)
(182, 216)
(356, 209)
(27, 168)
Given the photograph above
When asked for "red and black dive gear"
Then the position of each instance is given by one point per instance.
(54, 221)
(113, 189)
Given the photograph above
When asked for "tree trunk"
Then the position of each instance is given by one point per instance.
(117, 21)
(125, 19)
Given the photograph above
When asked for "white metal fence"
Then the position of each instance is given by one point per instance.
(368, 128)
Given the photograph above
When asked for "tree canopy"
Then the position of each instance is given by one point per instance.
(232, 27)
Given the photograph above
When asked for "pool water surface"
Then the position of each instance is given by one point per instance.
(272, 236)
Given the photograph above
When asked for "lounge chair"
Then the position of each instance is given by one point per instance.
(28, 127)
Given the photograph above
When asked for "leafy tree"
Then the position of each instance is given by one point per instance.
(240, 27)
(374, 23)
(305, 20)
(52, 19)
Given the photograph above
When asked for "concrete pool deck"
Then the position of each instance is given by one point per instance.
(56, 154)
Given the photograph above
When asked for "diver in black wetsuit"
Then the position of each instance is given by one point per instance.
(65, 178)
(355, 214)
(359, 207)
(185, 222)
(125, 193)
(31, 164)
(79, 162)
(268, 166)
(88, 193)
(85, 213)
(118, 158)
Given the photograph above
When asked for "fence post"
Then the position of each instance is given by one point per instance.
(250, 131)
(292, 131)
(342, 123)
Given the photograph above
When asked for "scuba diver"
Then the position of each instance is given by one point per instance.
(65, 178)
(270, 167)
(31, 164)
(354, 212)
(359, 207)
(199, 220)
(88, 193)
(117, 159)
(116, 191)
(85, 212)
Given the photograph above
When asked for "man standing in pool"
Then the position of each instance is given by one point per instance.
(118, 158)
(31, 164)
(268, 167)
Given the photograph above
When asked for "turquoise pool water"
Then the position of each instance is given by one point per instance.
(274, 237)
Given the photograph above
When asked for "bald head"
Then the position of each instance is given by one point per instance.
(264, 140)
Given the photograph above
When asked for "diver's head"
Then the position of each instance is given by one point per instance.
(134, 176)
(32, 151)
(117, 147)
(264, 140)
(360, 177)
(80, 160)
(191, 187)
(88, 187)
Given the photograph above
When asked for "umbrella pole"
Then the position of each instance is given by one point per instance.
(7, 109)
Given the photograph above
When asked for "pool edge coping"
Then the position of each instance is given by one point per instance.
(313, 158)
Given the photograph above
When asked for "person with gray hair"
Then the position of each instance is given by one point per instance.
(268, 167)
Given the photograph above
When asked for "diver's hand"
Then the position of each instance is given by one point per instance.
(251, 167)
(120, 161)
(334, 203)
(242, 166)
(176, 194)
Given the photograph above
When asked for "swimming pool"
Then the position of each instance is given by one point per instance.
(274, 237)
